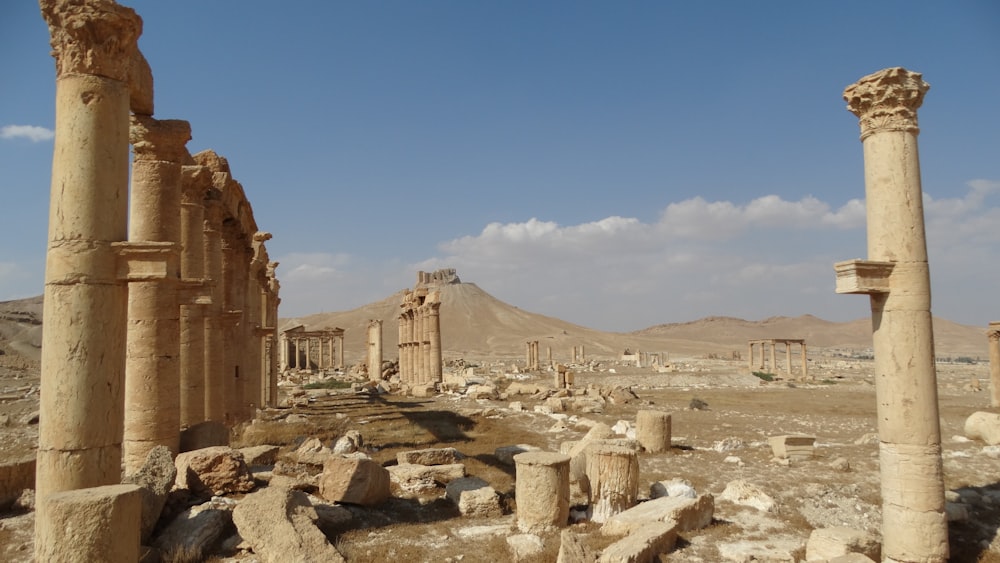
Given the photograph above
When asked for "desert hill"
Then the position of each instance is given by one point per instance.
(21, 327)
(476, 324)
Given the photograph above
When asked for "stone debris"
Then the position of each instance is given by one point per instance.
(827, 543)
(747, 494)
(260, 455)
(280, 526)
(433, 456)
(474, 497)
(794, 447)
(354, 480)
(196, 530)
(349, 443)
(524, 546)
(218, 470)
(686, 513)
(156, 477)
(312, 452)
(572, 549)
(672, 488)
(984, 426)
(421, 479)
(643, 544)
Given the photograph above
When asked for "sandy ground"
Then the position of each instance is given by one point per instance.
(712, 447)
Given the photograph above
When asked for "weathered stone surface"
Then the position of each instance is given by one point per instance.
(522, 388)
(747, 494)
(433, 456)
(354, 480)
(775, 549)
(86, 525)
(643, 545)
(474, 497)
(422, 478)
(827, 543)
(793, 447)
(672, 488)
(851, 558)
(15, 476)
(312, 452)
(652, 430)
(204, 435)
(688, 514)
(349, 443)
(219, 470)
(260, 455)
(542, 491)
(572, 549)
(194, 531)
(505, 454)
(983, 426)
(280, 526)
(524, 546)
(156, 477)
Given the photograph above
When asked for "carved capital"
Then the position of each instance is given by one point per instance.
(156, 139)
(195, 183)
(96, 37)
(887, 101)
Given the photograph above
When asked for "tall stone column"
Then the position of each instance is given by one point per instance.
(401, 330)
(215, 345)
(234, 293)
(152, 366)
(805, 364)
(774, 363)
(434, 333)
(83, 336)
(897, 278)
(750, 356)
(993, 334)
(375, 350)
(340, 351)
(195, 183)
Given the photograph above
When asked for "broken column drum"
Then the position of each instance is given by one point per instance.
(541, 491)
(613, 475)
(896, 276)
(652, 430)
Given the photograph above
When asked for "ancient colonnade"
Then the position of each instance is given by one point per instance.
(146, 289)
(770, 344)
(993, 337)
(896, 277)
(420, 360)
(532, 355)
(298, 345)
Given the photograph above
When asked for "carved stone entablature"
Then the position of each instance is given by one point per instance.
(863, 276)
(96, 37)
(159, 139)
(887, 100)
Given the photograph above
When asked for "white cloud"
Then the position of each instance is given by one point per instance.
(33, 133)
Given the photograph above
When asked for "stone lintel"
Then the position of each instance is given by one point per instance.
(195, 291)
(863, 276)
(146, 261)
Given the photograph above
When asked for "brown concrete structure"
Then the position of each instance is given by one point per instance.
(993, 336)
(770, 344)
(896, 276)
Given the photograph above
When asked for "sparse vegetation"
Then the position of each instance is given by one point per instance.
(328, 384)
(764, 375)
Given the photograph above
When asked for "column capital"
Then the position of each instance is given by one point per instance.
(97, 37)
(159, 139)
(887, 101)
(195, 183)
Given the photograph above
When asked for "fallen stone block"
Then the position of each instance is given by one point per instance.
(794, 447)
(280, 526)
(218, 470)
(573, 550)
(312, 452)
(983, 426)
(672, 488)
(642, 545)
(260, 455)
(687, 513)
(505, 454)
(827, 543)
(524, 546)
(747, 494)
(474, 497)
(433, 456)
(354, 480)
(156, 477)
(423, 478)
(195, 531)
(15, 477)
(349, 443)
(95, 524)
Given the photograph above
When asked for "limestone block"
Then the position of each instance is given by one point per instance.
(86, 525)
(687, 513)
(260, 455)
(485, 391)
(218, 470)
(672, 488)
(196, 530)
(652, 430)
(983, 426)
(541, 490)
(851, 558)
(578, 456)
(556, 404)
(312, 452)
(156, 477)
(280, 526)
(613, 475)
(423, 390)
(417, 478)
(354, 480)
(827, 543)
(433, 456)
(505, 454)
(792, 447)
(474, 497)
(204, 435)
(15, 476)
(573, 550)
(643, 545)
(349, 443)
(522, 388)
(747, 494)
(524, 546)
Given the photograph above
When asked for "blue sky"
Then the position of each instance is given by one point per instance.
(614, 164)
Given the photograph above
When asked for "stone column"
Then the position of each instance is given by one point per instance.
(788, 357)
(340, 352)
(309, 354)
(152, 366)
(374, 350)
(993, 334)
(897, 278)
(215, 394)
(805, 364)
(83, 335)
(402, 347)
(196, 181)
(750, 356)
(436, 359)
(541, 489)
(652, 430)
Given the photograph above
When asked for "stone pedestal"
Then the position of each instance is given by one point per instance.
(613, 473)
(541, 491)
(87, 525)
(897, 278)
(652, 430)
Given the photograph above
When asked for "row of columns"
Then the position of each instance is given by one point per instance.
(532, 355)
(298, 349)
(420, 358)
(145, 289)
(770, 345)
